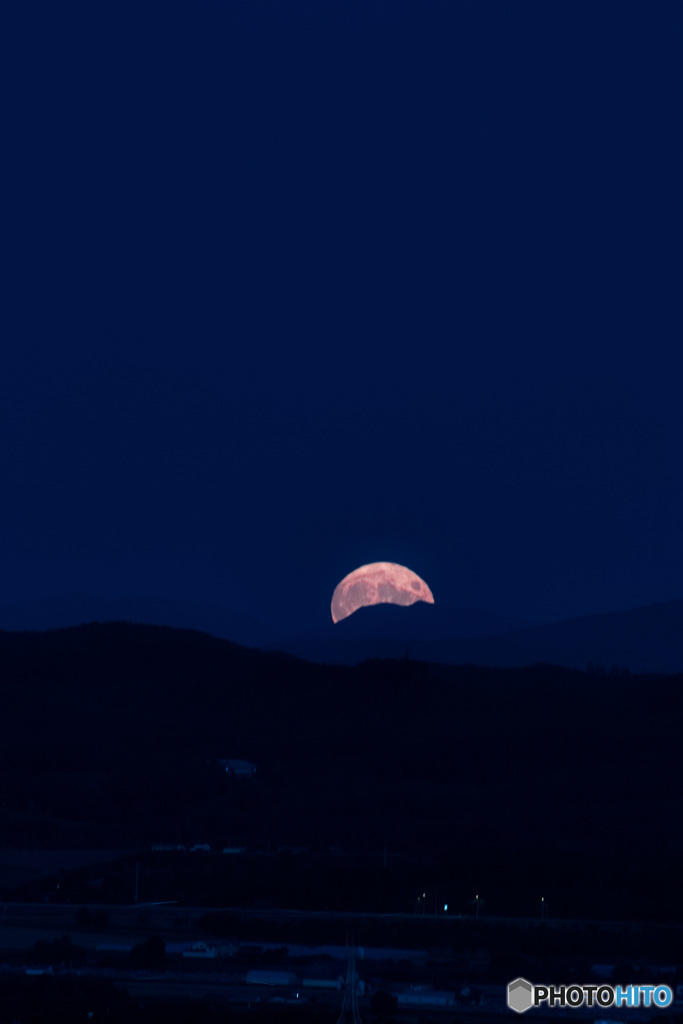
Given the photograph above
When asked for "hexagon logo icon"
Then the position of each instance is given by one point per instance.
(520, 995)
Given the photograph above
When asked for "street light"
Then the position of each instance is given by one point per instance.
(476, 902)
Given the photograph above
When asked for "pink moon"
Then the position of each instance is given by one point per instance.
(378, 583)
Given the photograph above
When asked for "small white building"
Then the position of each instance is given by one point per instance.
(201, 949)
(235, 766)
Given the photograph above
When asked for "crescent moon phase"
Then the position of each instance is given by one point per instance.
(378, 583)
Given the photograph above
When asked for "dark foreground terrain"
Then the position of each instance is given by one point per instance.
(515, 784)
(413, 798)
(162, 962)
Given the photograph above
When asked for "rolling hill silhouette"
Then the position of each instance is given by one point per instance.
(386, 630)
(78, 608)
(646, 639)
(111, 733)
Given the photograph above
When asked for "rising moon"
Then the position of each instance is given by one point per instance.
(378, 583)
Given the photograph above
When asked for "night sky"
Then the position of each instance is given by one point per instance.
(290, 287)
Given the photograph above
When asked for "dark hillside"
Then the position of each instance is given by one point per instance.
(110, 734)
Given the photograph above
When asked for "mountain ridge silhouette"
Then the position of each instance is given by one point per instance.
(647, 638)
(81, 607)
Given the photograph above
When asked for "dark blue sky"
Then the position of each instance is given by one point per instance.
(296, 286)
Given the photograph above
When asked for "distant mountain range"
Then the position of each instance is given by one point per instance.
(79, 608)
(646, 639)
(423, 622)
